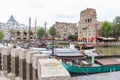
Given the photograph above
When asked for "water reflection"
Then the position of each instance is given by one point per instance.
(108, 50)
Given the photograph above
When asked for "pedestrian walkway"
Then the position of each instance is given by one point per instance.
(3, 78)
(100, 76)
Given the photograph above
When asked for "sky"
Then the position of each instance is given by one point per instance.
(50, 11)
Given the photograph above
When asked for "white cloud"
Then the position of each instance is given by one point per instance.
(56, 10)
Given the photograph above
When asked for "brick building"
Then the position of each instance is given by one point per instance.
(22, 35)
(64, 29)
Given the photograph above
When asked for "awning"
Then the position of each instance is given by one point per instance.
(80, 38)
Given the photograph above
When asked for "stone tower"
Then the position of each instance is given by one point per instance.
(87, 25)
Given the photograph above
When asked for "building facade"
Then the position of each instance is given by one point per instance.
(88, 25)
(11, 28)
(23, 35)
(64, 29)
(5, 28)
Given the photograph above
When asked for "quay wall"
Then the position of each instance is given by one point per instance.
(28, 64)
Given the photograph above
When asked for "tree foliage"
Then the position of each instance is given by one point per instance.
(1, 35)
(40, 32)
(52, 31)
(116, 27)
(106, 29)
(73, 37)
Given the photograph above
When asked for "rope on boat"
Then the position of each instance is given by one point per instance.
(85, 72)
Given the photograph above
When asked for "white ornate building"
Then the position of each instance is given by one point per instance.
(11, 25)
(5, 28)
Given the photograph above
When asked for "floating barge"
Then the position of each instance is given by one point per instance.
(90, 65)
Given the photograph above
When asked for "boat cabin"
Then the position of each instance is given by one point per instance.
(83, 46)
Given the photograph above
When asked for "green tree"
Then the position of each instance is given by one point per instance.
(73, 37)
(76, 35)
(70, 37)
(116, 27)
(52, 31)
(40, 32)
(106, 29)
(1, 35)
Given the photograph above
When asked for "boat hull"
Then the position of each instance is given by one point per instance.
(91, 69)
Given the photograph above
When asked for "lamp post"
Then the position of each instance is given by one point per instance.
(52, 45)
(53, 34)
(52, 31)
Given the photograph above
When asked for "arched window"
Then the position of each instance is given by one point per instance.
(24, 33)
(89, 20)
(86, 20)
(18, 33)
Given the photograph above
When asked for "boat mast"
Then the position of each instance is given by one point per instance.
(35, 33)
(45, 28)
(29, 32)
(45, 32)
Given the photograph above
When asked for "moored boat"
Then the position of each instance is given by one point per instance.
(90, 65)
(98, 44)
(83, 46)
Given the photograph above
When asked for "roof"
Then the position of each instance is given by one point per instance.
(11, 19)
(105, 62)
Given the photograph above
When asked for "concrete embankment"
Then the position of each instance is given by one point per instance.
(27, 64)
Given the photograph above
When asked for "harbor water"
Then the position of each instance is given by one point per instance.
(102, 76)
(109, 50)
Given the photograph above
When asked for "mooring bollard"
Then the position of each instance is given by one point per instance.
(6, 59)
(22, 64)
(35, 59)
(29, 56)
(51, 69)
(15, 61)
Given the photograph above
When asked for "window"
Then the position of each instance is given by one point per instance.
(89, 20)
(24, 33)
(18, 33)
(86, 20)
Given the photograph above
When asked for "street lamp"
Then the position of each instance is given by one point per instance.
(53, 41)
(53, 34)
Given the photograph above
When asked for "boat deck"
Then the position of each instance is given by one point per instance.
(105, 62)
